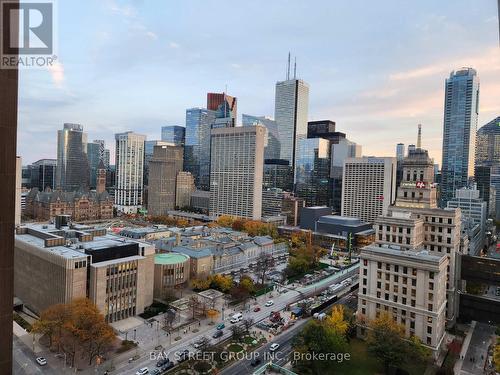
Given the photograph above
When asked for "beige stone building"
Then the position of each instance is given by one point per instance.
(184, 187)
(171, 271)
(58, 264)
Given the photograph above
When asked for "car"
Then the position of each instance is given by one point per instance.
(221, 326)
(217, 334)
(256, 308)
(41, 361)
(255, 362)
(274, 347)
(162, 362)
(269, 303)
(167, 366)
(142, 371)
(200, 342)
(184, 355)
(156, 371)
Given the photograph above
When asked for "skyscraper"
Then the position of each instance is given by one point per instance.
(272, 150)
(488, 143)
(225, 108)
(164, 166)
(183, 189)
(72, 172)
(368, 187)
(312, 171)
(43, 174)
(129, 161)
(237, 158)
(197, 146)
(290, 114)
(103, 152)
(173, 134)
(400, 151)
(459, 133)
(95, 155)
(148, 155)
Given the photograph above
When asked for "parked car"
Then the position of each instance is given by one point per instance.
(184, 355)
(256, 308)
(221, 326)
(142, 371)
(162, 362)
(255, 362)
(167, 366)
(199, 343)
(269, 303)
(274, 347)
(218, 334)
(41, 361)
(156, 371)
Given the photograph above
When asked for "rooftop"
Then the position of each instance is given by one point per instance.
(170, 258)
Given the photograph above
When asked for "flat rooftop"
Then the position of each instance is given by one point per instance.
(68, 243)
(170, 258)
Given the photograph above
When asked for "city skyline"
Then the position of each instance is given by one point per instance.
(349, 82)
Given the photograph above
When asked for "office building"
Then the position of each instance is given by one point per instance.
(340, 151)
(59, 263)
(148, 155)
(18, 206)
(272, 149)
(312, 172)
(484, 176)
(291, 208)
(272, 200)
(173, 134)
(277, 175)
(400, 151)
(171, 271)
(225, 108)
(197, 145)
(43, 174)
(310, 215)
(183, 189)
(200, 201)
(459, 131)
(164, 166)
(72, 172)
(368, 187)
(94, 155)
(415, 223)
(474, 214)
(409, 286)
(290, 114)
(411, 148)
(237, 159)
(488, 143)
(129, 160)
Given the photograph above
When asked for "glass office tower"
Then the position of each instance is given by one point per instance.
(272, 150)
(313, 172)
(459, 133)
(173, 134)
(197, 145)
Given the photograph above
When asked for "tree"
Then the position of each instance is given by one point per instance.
(221, 282)
(496, 355)
(238, 224)
(265, 263)
(212, 314)
(225, 221)
(336, 320)
(51, 323)
(236, 331)
(317, 337)
(247, 323)
(201, 284)
(386, 341)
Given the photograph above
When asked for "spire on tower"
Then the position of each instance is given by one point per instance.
(419, 137)
(288, 68)
(295, 69)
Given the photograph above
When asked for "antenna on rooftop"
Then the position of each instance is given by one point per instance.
(288, 68)
(295, 69)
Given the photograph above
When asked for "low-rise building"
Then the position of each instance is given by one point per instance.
(171, 271)
(58, 263)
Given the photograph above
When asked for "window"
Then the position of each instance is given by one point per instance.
(431, 275)
(365, 272)
(431, 286)
(431, 296)
(379, 265)
(378, 294)
(412, 303)
(403, 300)
(414, 282)
(405, 280)
(412, 324)
(386, 296)
(429, 341)
(388, 267)
(429, 330)
(396, 268)
(379, 284)
(364, 281)
(429, 307)
(396, 278)
(405, 270)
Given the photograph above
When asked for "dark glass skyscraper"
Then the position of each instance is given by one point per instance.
(43, 174)
(272, 150)
(459, 134)
(94, 157)
(72, 171)
(173, 134)
(197, 145)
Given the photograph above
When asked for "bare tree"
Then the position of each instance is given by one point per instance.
(265, 263)
(236, 331)
(248, 323)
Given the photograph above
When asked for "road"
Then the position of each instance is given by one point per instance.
(24, 361)
(148, 355)
(281, 356)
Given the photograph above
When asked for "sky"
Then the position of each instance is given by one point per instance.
(376, 68)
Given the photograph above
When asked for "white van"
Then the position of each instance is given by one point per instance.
(236, 318)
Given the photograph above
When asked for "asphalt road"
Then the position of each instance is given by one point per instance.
(282, 355)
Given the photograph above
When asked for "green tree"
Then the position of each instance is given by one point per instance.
(386, 341)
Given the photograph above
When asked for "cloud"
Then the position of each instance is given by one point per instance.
(127, 11)
(56, 70)
(173, 45)
(151, 35)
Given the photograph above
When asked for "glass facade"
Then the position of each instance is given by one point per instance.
(174, 134)
(43, 173)
(197, 145)
(313, 182)
(459, 135)
(277, 174)
(94, 156)
(272, 150)
(290, 114)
